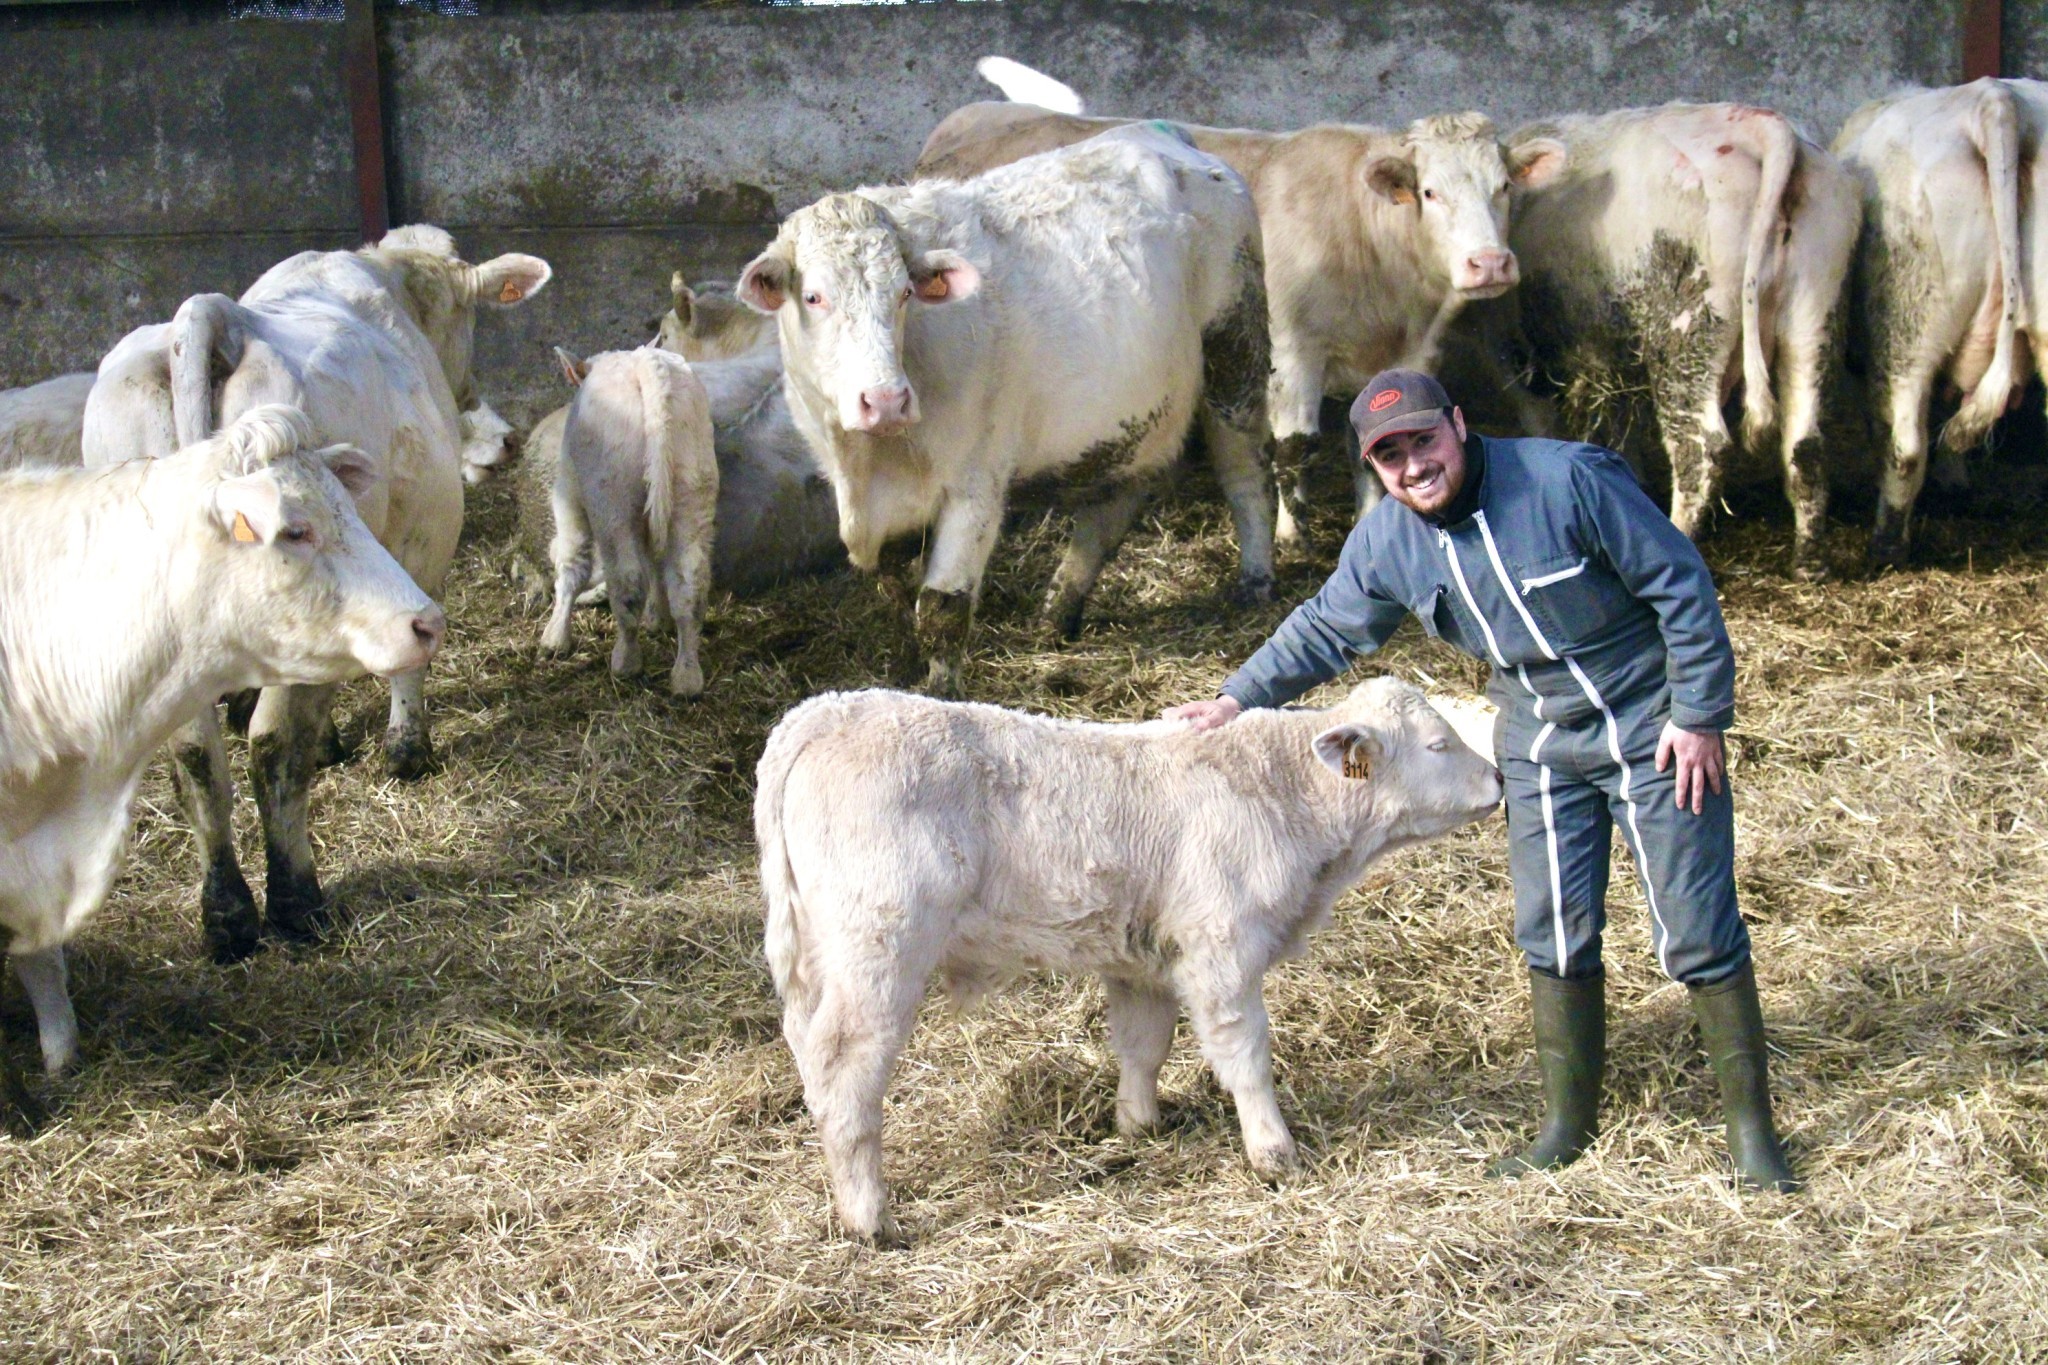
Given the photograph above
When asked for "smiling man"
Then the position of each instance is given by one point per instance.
(1614, 678)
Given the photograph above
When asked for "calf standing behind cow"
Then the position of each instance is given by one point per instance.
(1683, 251)
(136, 596)
(1066, 318)
(636, 488)
(903, 838)
(374, 346)
(1375, 238)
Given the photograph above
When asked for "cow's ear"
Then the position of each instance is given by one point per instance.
(511, 278)
(944, 277)
(352, 465)
(250, 509)
(764, 285)
(1350, 751)
(573, 370)
(1392, 177)
(1536, 162)
(685, 302)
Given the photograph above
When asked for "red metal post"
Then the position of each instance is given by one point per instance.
(365, 115)
(1983, 46)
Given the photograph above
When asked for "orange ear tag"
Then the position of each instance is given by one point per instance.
(1357, 766)
(935, 288)
(511, 293)
(244, 532)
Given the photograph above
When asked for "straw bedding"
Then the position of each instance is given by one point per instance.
(531, 1103)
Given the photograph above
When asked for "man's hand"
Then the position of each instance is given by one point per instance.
(1204, 715)
(1701, 763)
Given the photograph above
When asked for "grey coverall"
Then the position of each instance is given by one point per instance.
(1601, 622)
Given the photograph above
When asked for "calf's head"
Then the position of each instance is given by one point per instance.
(842, 279)
(708, 322)
(304, 592)
(1424, 781)
(441, 292)
(1452, 170)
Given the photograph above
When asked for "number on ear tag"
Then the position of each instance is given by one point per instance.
(244, 532)
(1357, 765)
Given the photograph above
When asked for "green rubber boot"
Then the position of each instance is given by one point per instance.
(1732, 1030)
(1570, 1015)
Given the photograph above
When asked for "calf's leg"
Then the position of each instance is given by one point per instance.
(1141, 1019)
(570, 553)
(1229, 1015)
(228, 923)
(283, 741)
(686, 581)
(627, 573)
(848, 1050)
(44, 976)
(1903, 407)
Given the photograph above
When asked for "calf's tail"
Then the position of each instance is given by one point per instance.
(782, 931)
(207, 327)
(1993, 126)
(657, 431)
(1780, 157)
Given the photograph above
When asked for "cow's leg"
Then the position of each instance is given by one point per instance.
(1697, 441)
(1294, 403)
(1141, 1019)
(686, 580)
(1237, 454)
(1229, 1015)
(1904, 407)
(961, 541)
(44, 976)
(408, 742)
(570, 553)
(849, 1049)
(1099, 527)
(1801, 363)
(228, 923)
(282, 739)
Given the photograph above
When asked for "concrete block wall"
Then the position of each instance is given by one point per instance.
(154, 151)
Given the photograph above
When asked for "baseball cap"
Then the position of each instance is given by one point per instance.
(1397, 401)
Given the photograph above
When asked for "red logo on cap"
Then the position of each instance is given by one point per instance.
(1383, 400)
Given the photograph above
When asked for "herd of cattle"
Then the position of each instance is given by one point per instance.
(266, 492)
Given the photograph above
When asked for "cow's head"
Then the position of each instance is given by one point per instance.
(1453, 172)
(298, 583)
(708, 322)
(1385, 740)
(441, 291)
(842, 279)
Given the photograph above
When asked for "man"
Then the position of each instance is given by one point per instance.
(1614, 678)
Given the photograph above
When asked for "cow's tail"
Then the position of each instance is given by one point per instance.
(207, 327)
(782, 929)
(658, 432)
(1020, 84)
(1766, 219)
(1993, 125)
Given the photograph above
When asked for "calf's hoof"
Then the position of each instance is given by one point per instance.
(942, 679)
(886, 1236)
(1063, 616)
(1275, 1164)
(408, 757)
(21, 1113)
(686, 680)
(1133, 1122)
(625, 660)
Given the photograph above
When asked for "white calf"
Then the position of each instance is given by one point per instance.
(904, 838)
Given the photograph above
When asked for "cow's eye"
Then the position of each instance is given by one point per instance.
(298, 533)
(1437, 746)
(1429, 194)
(814, 299)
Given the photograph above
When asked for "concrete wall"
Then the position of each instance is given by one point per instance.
(154, 151)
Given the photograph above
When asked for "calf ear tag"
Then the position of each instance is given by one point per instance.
(244, 532)
(511, 293)
(1357, 763)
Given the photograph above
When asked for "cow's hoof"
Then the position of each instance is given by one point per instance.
(942, 679)
(21, 1113)
(886, 1237)
(1810, 568)
(1275, 1165)
(408, 757)
(1132, 1123)
(298, 911)
(229, 927)
(1252, 591)
(1063, 617)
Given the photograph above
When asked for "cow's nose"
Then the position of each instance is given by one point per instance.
(885, 407)
(428, 627)
(1490, 269)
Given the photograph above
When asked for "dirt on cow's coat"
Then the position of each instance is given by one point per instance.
(531, 1102)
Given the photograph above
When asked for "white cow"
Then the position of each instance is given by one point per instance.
(1124, 295)
(636, 490)
(136, 596)
(776, 518)
(374, 346)
(42, 426)
(1947, 291)
(904, 839)
(1375, 238)
(1686, 251)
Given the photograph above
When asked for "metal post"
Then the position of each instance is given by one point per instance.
(365, 115)
(1983, 48)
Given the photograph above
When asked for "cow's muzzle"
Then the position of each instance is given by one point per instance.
(885, 409)
(1484, 274)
